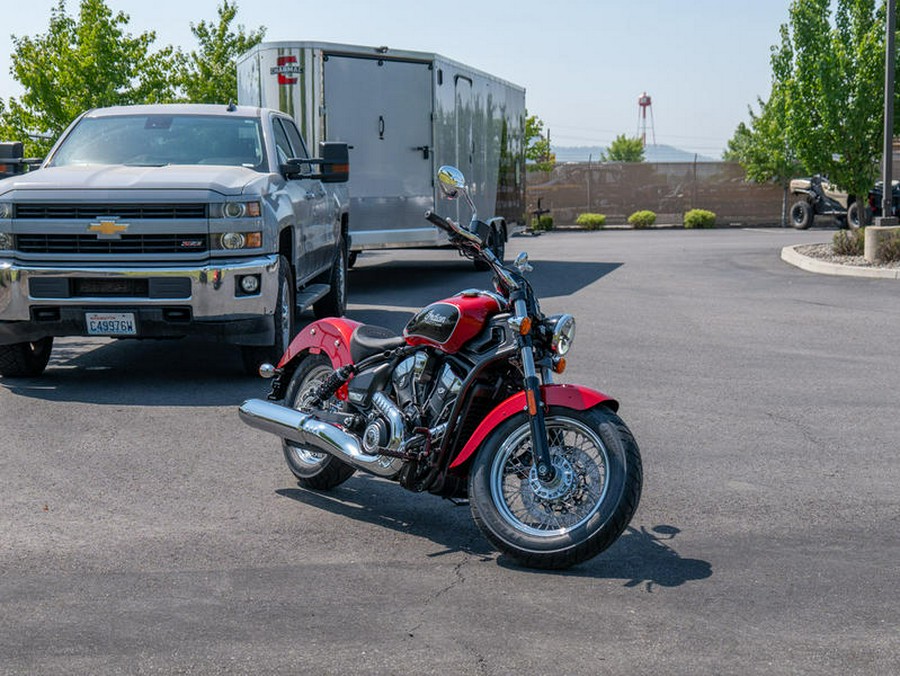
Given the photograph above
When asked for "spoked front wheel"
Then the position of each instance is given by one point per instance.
(574, 517)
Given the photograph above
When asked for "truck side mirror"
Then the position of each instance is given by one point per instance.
(12, 151)
(335, 162)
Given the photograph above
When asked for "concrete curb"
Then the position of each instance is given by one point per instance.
(789, 254)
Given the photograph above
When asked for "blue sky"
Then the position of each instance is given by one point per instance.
(584, 63)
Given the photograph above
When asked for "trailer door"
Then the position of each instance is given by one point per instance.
(382, 109)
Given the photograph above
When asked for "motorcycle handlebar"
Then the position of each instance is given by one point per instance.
(473, 239)
(453, 228)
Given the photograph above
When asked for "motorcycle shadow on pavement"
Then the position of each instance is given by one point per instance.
(641, 557)
(384, 504)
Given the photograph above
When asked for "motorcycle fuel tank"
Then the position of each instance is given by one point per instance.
(451, 323)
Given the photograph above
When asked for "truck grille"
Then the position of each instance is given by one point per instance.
(129, 211)
(128, 244)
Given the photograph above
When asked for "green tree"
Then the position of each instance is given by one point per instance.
(537, 146)
(835, 92)
(208, 74)
(624, 149)
(79, 64)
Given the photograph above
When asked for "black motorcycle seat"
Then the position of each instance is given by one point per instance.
(367, 340)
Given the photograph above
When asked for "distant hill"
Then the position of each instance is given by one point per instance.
(652, 153)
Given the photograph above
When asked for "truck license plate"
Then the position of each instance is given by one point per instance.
(110, 324)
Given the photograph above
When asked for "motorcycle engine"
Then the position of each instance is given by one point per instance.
(425, 389)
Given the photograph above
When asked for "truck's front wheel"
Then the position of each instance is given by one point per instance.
(254, 355)
(23, 360)
(334, 303)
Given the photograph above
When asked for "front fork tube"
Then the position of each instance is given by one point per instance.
(540, 445)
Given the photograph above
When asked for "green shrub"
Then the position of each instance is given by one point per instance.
(545, 222)
(699, 218)
(642, 219)
(591, 221)
(889, 249)
(849, 242)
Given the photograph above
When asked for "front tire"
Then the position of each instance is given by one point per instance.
(24, 360)
(313, 469)
(572, 519)
(254, 355)
(334, 303)
(801, 215)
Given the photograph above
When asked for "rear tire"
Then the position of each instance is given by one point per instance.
(25, 360)
(801, 215)
(254, 355)
(855, 215)
(589, 504)
(313, 469)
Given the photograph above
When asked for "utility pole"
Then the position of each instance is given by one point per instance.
(886, 224)
(887, 201)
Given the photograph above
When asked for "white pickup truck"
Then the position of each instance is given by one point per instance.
(172, 220)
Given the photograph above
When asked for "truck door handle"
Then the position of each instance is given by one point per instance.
(425, 150)
(381, 127)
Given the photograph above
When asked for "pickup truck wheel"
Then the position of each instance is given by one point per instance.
(801, 215)
(254, 355)
(23, 360)
(334, 303)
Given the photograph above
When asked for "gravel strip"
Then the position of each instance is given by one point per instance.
(825, 252)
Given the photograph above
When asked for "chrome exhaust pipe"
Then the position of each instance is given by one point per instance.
(308, 431)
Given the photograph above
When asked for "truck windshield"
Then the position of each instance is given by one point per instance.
(159, 139)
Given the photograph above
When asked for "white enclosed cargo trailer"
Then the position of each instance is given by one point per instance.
(404, 114)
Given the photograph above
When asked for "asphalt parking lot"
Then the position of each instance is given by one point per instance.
(145, 530)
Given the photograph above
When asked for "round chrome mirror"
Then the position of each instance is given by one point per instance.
(451, 181)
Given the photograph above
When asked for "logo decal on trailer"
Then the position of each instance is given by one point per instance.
(287, 66)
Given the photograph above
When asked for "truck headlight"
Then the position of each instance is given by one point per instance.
(6, 241)
(235, 210)
(6, 210)
(238, 240)
(563, 328)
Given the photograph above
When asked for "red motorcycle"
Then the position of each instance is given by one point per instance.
(552, 474)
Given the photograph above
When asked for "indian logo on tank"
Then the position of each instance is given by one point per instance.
(436, 322)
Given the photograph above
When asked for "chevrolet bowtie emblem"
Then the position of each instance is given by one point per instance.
(108, 229)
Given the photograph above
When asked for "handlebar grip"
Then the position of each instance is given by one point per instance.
(439, 221)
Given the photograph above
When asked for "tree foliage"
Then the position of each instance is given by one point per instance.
(208, 74)
(625, 149)
(537, 146)
(825, 109)
(78, 64)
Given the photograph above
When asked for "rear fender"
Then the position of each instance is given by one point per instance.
(329, 336)
(569, 396)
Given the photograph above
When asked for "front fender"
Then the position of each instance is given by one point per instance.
(570, 396)
(329, 336)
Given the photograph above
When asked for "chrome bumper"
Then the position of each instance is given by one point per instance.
(212, 293)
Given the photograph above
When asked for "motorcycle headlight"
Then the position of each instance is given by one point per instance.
(563, 333)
